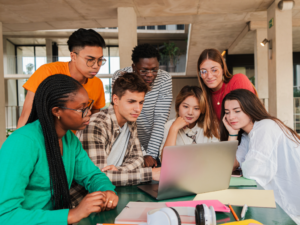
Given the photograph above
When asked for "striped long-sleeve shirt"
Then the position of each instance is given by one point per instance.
(155, 112)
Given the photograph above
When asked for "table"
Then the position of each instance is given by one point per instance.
(126, 194)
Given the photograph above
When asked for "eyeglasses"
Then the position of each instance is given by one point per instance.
(91, 62)
(203, 73)
(85, 110)
(145, 72)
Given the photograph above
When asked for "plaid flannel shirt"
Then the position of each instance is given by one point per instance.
(97, 140)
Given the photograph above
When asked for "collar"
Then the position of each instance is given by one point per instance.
(116, 126)
(192, 131)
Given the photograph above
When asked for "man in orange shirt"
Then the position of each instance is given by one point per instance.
(86, 51)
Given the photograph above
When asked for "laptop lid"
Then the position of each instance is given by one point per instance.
(196, 168)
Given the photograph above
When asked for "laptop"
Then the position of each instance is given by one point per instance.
(194, 169)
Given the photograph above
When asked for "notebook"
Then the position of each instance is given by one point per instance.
(242, 182)
(244, 222)
(240, 197)
(218, 206)
(136, 213)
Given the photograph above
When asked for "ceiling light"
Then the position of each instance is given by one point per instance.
(223, 53)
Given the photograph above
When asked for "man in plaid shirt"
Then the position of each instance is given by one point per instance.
(111, 139)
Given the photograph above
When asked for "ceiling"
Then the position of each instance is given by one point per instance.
(214, 23)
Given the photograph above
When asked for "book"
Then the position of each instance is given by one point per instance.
(241, 197)
(242, 182)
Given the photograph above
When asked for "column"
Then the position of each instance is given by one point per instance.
(127, 32)
(261, 66)
(49, 50)
(280, 66)
(2, 92)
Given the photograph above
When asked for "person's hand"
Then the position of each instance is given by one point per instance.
(110, 167)
(93, 202)
(111, 200)
(179, 123)
(228, 127)
(149, 161)
(155, 174)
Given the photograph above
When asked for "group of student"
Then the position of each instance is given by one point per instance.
(50, 176)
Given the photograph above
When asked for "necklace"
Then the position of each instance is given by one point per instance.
(220, 95)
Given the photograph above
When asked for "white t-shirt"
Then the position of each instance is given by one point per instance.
(268, 156)
(183, 139)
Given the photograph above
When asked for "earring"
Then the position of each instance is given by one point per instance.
(58, 117)
(223, 78)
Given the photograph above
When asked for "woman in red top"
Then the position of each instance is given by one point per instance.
(216, 80)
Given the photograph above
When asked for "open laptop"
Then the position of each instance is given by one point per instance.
(194, 169)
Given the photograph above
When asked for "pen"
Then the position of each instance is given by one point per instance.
(244, 210)
(233, 213)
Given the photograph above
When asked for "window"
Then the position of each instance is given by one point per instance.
(150, 27)
(180, 27)
(29, 58)
(161, 27)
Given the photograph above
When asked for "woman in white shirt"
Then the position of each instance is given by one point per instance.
(193, 123)
(268, 151)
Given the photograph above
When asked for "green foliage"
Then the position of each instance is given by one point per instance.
(9, 132)
(296, 92)
(163, 58)
(29, 68)
(252, 79)
(107, 88)
(171, 51)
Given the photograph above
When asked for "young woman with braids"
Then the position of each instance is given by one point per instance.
(268, 152)
(40, 160)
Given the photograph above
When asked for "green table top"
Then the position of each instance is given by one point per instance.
(127, 194)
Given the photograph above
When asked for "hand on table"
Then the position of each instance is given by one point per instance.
(149, 161)
(111, 200)
(110, 167)
(93, 202)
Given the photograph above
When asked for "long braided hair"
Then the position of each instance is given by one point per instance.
(54, 91)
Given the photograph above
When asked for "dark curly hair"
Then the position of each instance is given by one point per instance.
(131, 82)
(144, 51)
(83, 37)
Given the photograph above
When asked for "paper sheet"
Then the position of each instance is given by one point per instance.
(240, 197)
(218, 206)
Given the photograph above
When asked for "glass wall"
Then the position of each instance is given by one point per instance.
(297, 97)
(22, 59)
(248, 71)
(29, 59)
(63, 53)
(114, 59)
(107, 90)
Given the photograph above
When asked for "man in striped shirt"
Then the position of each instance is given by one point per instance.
(156, 109)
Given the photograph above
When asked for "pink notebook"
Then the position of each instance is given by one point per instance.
(218, 206)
